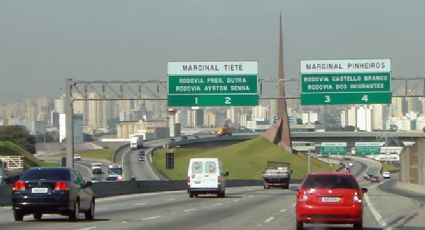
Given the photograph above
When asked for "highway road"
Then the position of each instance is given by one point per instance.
(141, 170)
(243, 208)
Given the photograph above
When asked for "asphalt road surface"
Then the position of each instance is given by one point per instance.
(242, 208)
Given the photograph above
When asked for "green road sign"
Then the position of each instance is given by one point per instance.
(345, 98)
(345, 82)
(367, 148)
(212, 84)
(213, 100)
(333, 148)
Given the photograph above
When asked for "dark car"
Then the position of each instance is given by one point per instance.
(52, 190)
(374, 178)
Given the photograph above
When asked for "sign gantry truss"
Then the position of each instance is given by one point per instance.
(118, 90)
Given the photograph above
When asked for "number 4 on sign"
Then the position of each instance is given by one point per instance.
(365, 98)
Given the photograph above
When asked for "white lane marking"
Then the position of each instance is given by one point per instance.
(149, 155)
(139, 204)
(218, 204)
(250, 196)
(151, 218)
(283, 210)
(268, 220)
(101, 209)
(8, 208)
(172, 199)
(375, 213)
(89, 228)
(124, 222)
(236, 200)
(190, 210)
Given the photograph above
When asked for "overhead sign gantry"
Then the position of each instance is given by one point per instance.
(359, 81)
(212, 84)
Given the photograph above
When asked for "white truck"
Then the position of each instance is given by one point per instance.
(277, 174)
(96, 168)
(136, 142)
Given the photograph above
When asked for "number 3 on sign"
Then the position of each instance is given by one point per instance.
(327, 99)
(227, 100)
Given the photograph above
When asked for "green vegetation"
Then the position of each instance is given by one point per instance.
(18, 135)
(245, 160)
(389, 167)
(98, 154)
(9, 148)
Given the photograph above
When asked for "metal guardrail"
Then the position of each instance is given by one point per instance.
(11, 163)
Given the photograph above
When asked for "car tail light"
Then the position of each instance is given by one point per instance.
(19, 186)
(219, 179)
(302, 196)
(357, 198)
(61, 186)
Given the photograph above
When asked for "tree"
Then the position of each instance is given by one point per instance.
(18, 135)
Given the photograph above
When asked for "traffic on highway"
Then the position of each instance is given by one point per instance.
(250, 207)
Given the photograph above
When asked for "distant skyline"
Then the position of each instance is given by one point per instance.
(44, 42)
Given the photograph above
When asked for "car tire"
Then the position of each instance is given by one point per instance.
(89, 214)
(358, 226)
(75, 213)
(37, 216)
(18, 216)
(191, 194)
(300, 225)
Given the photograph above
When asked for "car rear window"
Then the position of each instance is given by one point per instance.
(330, 181)
(210, 167)
(197, 167)
(46, 174)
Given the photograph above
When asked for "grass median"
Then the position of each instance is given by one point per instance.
(245, 160)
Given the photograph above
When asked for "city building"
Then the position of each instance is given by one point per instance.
(78, 128)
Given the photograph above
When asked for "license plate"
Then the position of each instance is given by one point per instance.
(330, 199)
(39, 190)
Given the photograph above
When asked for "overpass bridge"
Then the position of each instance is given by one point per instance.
(349, 137)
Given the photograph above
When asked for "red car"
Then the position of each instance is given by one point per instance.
(330, 198)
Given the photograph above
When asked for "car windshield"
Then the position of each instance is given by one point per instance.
(46, 174)
(111, 178)
(330, 181)
(117, 171)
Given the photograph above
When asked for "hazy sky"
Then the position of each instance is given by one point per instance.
(44, 42)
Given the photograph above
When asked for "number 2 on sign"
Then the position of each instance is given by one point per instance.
(327, 99)
(227, 101)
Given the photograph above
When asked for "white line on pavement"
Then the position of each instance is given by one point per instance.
(283, 210)
(236, 200)
(218, 204)
(172, 199)
(189, 210)
(151, 218)
(101, 209)
(89, 228)
(139, 204)
(268, 220)
(375, 213)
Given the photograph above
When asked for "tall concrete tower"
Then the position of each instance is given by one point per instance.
(284, 130)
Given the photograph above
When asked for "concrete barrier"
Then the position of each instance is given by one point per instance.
(105, 189)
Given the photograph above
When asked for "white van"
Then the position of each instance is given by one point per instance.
(206, 175)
